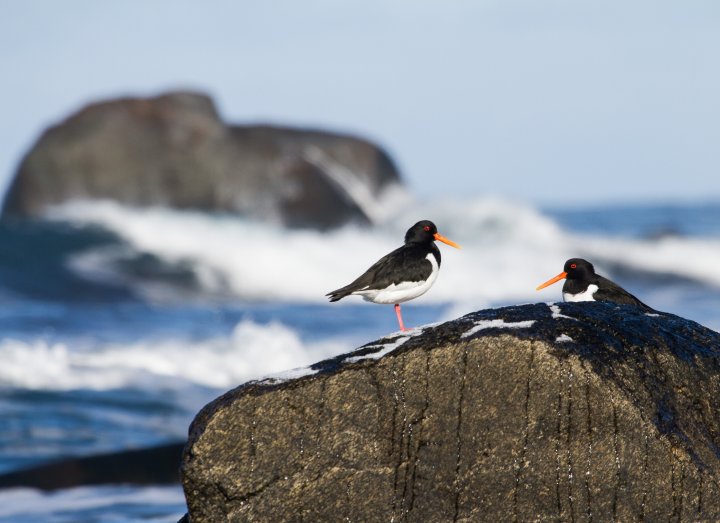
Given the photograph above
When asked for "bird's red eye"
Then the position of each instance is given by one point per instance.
(573, 265)
(427, 228)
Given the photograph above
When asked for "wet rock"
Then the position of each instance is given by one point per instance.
(147, 466)
(175, 151)
(571, 412)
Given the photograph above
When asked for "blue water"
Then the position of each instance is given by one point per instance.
(643, 221)
(113, 334)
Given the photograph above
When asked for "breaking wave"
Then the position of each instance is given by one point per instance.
(508, 249)
(250, 351)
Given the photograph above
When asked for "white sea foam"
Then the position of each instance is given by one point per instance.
(387, 348)
(556, 314)
(497, 324)
(250, 351)
(289, 375)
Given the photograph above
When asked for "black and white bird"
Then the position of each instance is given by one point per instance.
(582, 284)
(404, 274)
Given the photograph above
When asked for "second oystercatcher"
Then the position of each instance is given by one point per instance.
(406, 273)
(582, 284)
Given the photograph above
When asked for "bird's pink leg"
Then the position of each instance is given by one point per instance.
(399, 315)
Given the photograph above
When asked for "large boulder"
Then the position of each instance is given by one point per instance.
(572, 412)
(175, 151)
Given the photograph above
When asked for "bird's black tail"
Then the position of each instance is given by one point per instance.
(339, 294)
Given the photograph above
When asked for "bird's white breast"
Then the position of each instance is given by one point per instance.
(403, 291)
(586, 295)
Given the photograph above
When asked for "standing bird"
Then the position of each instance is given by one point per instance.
(406, 273)
(582, 284)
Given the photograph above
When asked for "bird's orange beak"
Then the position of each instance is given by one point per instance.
(441, 238)
(559, 277)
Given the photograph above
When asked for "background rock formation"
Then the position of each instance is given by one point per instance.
(574, 412)
(175, 151)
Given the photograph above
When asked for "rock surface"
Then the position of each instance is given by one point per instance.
(173, 150)
(571, 412)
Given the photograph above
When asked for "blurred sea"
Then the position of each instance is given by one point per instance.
(117, 325)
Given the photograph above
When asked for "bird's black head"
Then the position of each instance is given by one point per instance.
(578, 269)
(575, 269)
(423, 231)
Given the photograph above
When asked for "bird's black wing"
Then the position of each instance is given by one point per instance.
(611, 291)
(406, 263)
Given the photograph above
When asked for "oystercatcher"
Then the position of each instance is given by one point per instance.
(582, 284)
(406, 273)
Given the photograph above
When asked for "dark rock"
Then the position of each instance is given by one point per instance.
(583, 411)
(149, 466)
(175, 151)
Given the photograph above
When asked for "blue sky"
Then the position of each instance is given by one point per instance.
(557, 102)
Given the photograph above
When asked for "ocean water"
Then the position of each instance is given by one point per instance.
(117, 325)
